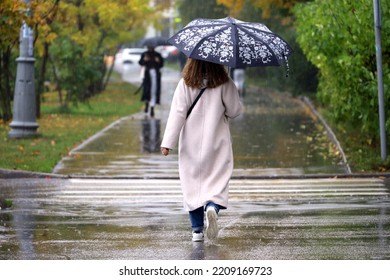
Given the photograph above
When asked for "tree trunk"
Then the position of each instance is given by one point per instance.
(41, 79)
(58, 82)
(108, 76)
(5, 86)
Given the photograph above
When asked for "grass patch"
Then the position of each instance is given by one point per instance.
(62, 130)
(362, 154)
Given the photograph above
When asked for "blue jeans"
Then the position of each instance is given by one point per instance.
(197, 216)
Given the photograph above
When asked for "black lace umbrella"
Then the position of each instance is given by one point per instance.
(232, 42)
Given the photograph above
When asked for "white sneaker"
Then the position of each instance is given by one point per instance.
(212, 226)
(197, 236)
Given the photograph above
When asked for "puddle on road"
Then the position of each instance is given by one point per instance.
(46, 223)
(327, 230)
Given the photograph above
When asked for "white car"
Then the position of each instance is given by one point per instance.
(168, 52)
(129, 55)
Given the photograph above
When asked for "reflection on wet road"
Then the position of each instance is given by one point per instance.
(277, 135)
(143, 219)
(151, 135)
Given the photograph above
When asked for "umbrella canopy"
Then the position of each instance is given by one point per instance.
(231, 42)
(154, 42)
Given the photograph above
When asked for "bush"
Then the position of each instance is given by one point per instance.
(338, 38)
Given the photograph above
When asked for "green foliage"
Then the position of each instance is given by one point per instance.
(71, 39)
(79, 76)
(203, 9)
(302, 75)
(362, 155)
(5, 203)
(338, 38)
(85, 32)
(12, 14)
(61, 131)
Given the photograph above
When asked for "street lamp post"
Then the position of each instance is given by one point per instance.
(24, 123)
(382, 120)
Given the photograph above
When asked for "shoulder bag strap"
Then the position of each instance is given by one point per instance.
(196, 100)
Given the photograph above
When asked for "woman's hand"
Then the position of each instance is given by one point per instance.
(164, 151)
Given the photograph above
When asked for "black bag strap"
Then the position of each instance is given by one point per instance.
(196, 100)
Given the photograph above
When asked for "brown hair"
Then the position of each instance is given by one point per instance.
(196, 70)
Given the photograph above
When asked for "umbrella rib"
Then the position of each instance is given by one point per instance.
(206, 25)
(235, 36)
(211, 34)
(192, 26)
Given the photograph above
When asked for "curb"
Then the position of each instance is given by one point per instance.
(331, 134)
(20, 174)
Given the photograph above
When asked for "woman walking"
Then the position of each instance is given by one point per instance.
(153, 62)
(205, 149)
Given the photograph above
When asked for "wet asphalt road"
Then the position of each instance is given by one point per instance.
(274, 219)
(129, 207)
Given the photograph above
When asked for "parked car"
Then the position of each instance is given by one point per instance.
(129, 55)
(169, 53)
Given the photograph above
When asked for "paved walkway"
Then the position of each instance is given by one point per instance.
(281, 213)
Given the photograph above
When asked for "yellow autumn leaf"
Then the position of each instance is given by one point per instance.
(77, 156)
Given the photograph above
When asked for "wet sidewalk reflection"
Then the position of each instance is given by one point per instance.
(272, 219)
(151, 135)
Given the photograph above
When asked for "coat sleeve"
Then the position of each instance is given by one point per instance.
(231, 100)
(161, 61)
(177, 117)
(141, 60)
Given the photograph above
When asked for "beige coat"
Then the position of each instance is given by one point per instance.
(205, 149)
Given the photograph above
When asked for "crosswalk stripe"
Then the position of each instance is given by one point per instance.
(169, 190)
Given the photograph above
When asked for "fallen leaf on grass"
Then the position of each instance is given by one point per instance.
(77, 156)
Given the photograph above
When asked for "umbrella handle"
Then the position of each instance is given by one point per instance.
(287, 66)
(136, 92)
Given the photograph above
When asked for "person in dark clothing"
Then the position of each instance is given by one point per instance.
(153, 62)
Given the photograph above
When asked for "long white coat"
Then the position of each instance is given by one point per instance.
(205, 149)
